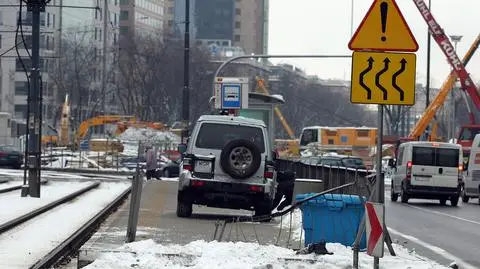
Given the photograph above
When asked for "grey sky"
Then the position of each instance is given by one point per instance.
(323, 27)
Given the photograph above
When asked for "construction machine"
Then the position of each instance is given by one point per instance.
(287, 147)
(467, 132)
(434, 106)
(96, 121)
(124, 125)
(65, 123)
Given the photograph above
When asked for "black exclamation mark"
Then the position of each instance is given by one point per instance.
(383, 15)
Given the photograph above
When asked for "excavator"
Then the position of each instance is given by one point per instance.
(124, 125)
(84, 127)
(289, 147)
(467, 132)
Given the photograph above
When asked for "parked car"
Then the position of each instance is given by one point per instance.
(171, 168)
(228, 163)
(11, 157)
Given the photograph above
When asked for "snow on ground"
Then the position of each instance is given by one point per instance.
(292, 221)
(148, 134)
(210, 255)
(9, 184)
(12, 205)
(18, 250)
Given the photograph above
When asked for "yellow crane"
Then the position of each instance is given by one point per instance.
(289, 146)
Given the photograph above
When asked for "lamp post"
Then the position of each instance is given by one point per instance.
(455, 39)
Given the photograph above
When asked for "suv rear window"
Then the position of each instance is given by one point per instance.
(216, 136)
(435, 156)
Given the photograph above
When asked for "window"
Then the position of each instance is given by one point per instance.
(237, 24)
(1, 17)
(237, 38)
(123, 29)
(0, 41)
(309, 136)
(216, 136)
(123, 15)
(98, 14)
(53, 20)
(48, 19)
(238, 11)
(362, 133)
(124, 2)
(435, 156)
(400, 156)
(21, 110)
(21, 88)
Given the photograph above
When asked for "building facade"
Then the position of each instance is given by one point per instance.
(142, 17)
(226, 23)
(13, 75)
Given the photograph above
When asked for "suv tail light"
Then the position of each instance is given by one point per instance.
(460, 172)
(268, 172)
(255, 188)
(197, 183)
(187, 164)
(409, 170)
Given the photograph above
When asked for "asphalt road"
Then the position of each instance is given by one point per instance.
(442, 233)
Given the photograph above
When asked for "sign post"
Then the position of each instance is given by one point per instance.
(382, 74)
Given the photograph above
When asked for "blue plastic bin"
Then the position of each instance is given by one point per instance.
(333, 218)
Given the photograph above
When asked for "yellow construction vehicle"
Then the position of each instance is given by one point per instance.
(286, 147)
(65, 123)
(96, 121)
(124, 125)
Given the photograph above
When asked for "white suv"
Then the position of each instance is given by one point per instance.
(228, 163)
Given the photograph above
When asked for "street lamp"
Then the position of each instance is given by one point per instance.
(455, 39)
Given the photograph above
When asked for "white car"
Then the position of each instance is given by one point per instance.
(228, 163)
(428, 170)
(471, 187)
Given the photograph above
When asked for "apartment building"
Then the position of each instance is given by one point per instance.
(13, 77)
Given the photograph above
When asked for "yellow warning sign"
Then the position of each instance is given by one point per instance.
(383, 29)
(383, 78)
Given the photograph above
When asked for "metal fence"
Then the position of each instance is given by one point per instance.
(331, 176)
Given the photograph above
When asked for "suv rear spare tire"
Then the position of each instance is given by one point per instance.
(240, 159)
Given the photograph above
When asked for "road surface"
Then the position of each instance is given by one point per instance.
(442, 233)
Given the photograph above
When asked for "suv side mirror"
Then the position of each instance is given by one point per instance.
(182, 148)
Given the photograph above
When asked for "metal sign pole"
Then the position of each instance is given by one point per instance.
(378, 183)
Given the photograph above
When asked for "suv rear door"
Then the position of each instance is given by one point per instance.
(435, 166)
(213, 136)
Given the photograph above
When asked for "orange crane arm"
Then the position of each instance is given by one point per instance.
(99, 120)
(261, 86)
(447, 85)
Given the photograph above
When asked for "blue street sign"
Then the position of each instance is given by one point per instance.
(231, 96)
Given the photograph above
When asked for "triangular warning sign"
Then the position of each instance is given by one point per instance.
(383, 29)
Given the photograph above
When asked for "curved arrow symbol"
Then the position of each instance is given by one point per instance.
(362, 75)
(377, 78)
(403, 63)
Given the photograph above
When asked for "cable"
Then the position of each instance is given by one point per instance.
(21, 30)
(27, 131)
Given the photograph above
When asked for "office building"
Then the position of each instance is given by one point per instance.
(238, 23)
(142, 17)
(13, 77)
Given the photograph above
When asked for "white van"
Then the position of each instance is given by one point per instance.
(471, 187)
(428, 170)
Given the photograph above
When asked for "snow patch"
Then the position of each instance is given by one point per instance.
(211, 255)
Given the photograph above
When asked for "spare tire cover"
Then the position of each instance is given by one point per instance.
(240, 159)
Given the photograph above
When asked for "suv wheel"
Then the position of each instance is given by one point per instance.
(240, 159)
(264, 208)
(393, 195)
(184, 205)
(454, 200)
(403, 195)
(465, 197)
